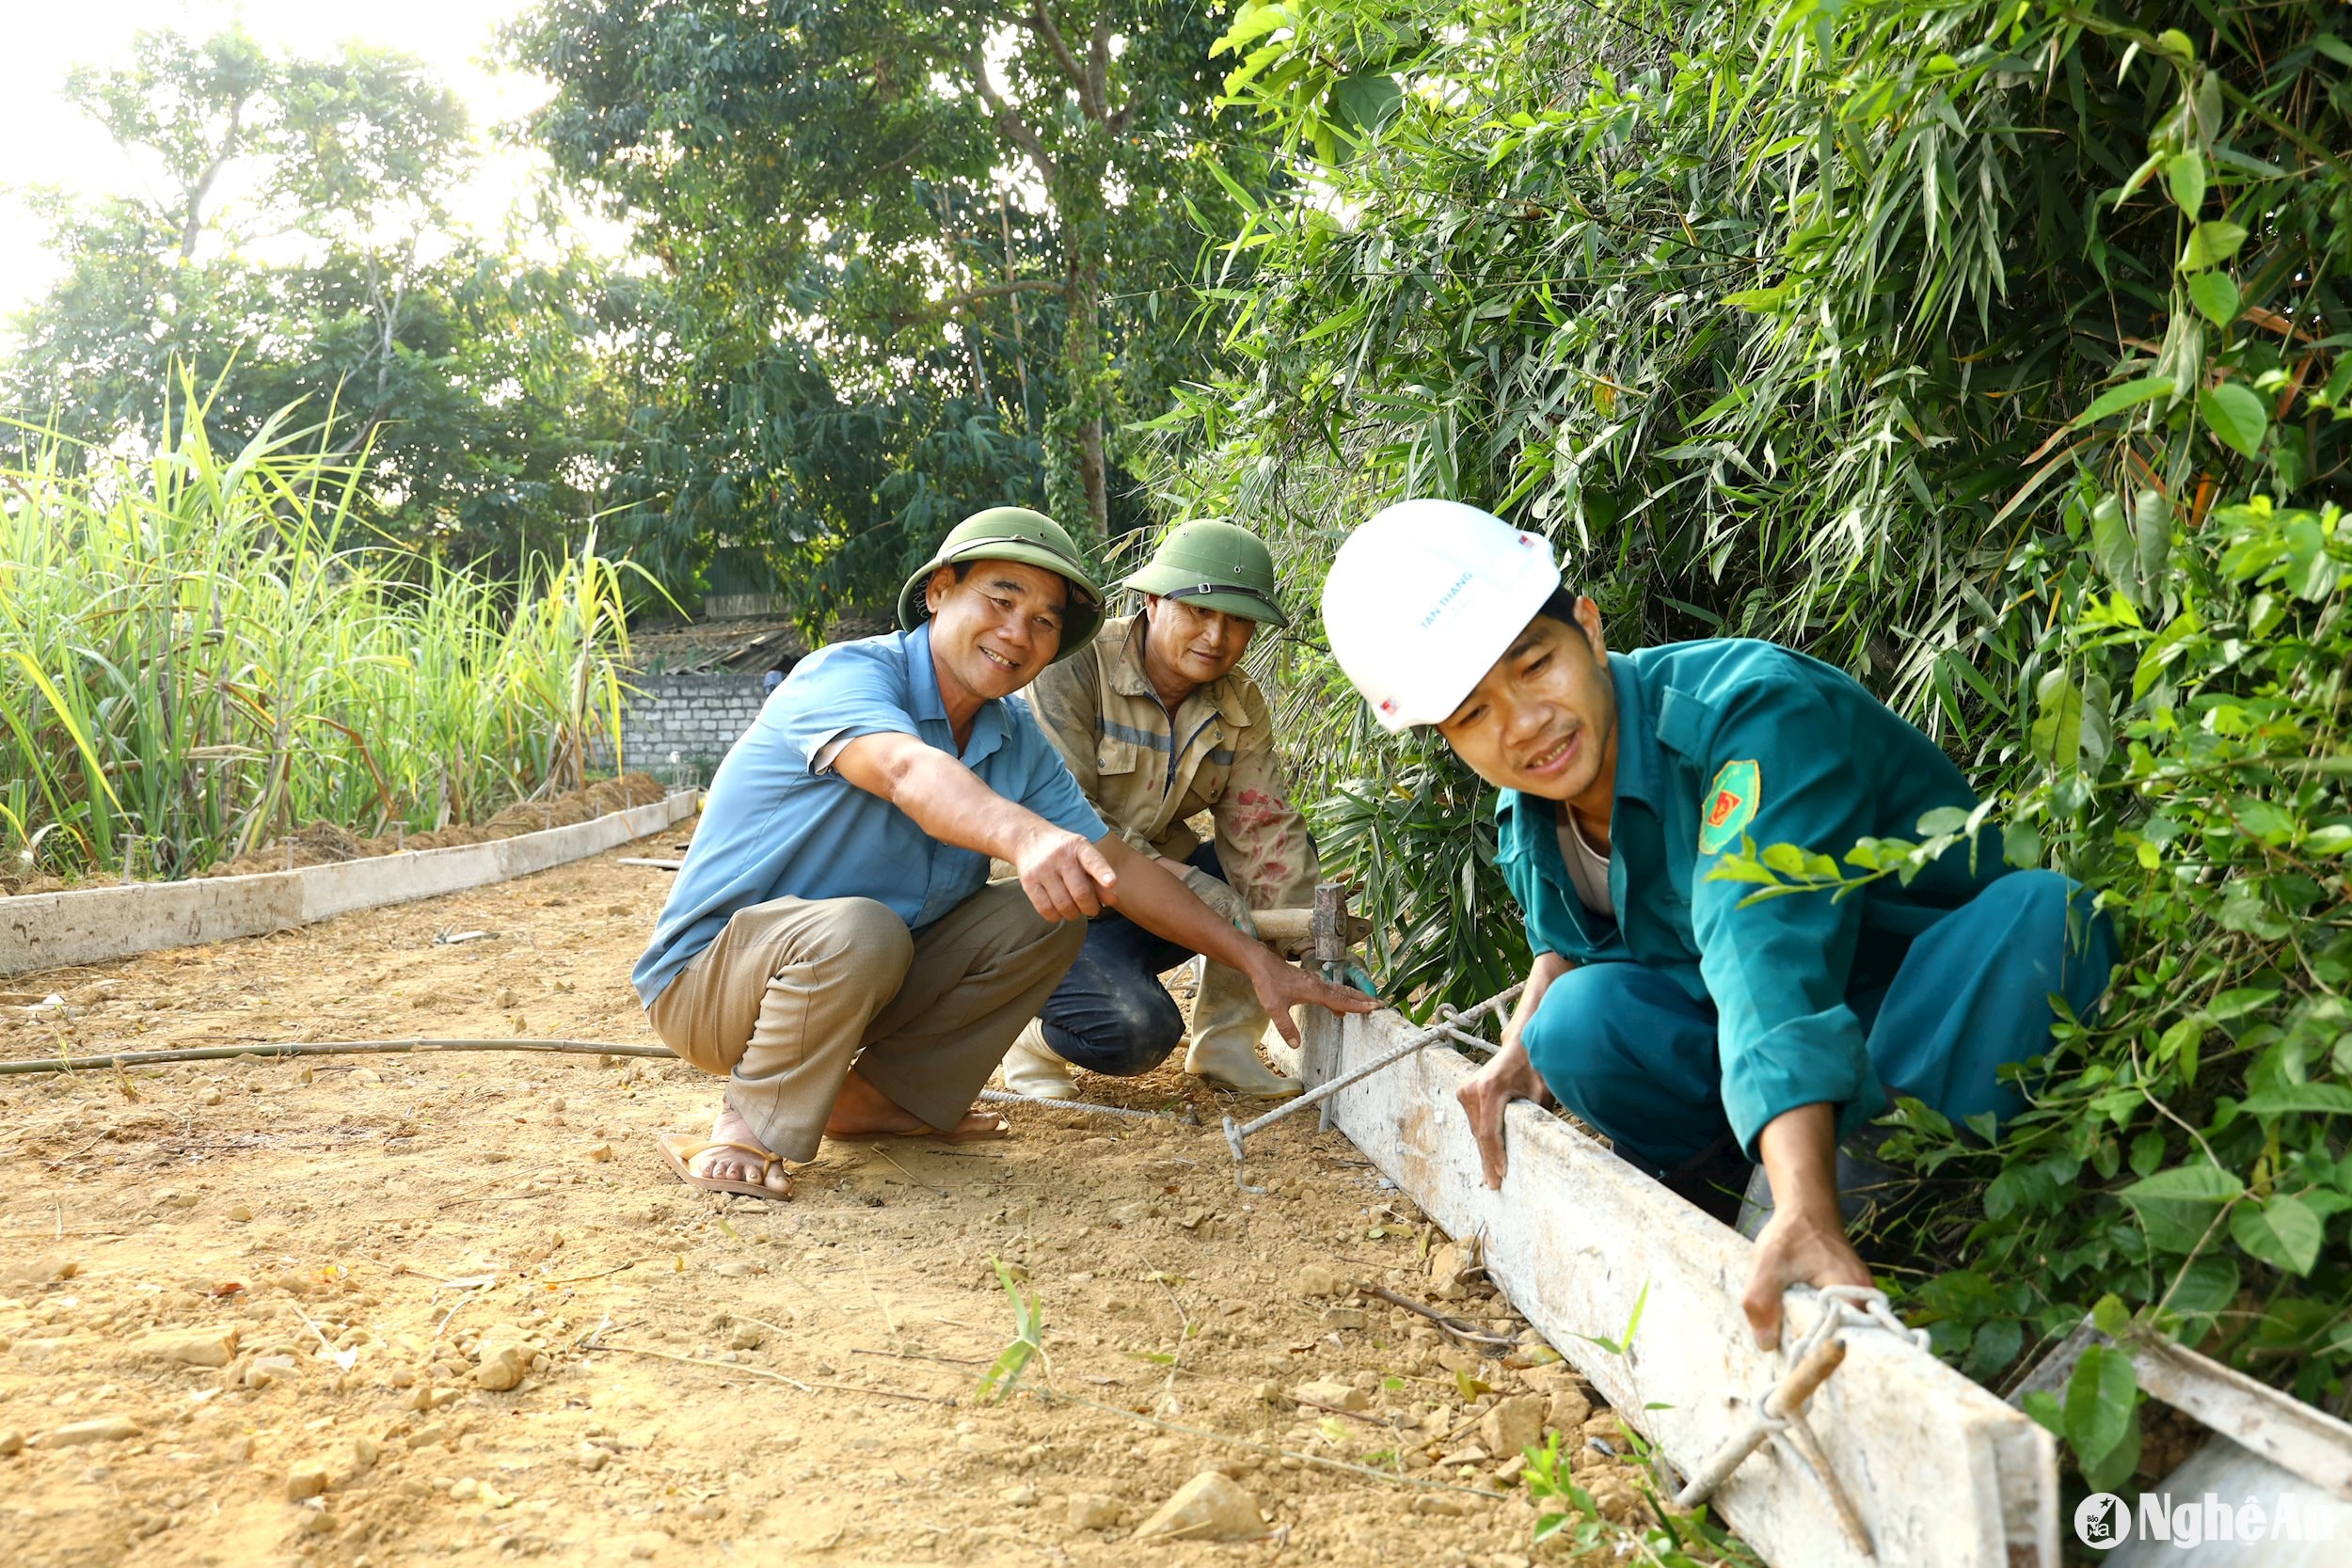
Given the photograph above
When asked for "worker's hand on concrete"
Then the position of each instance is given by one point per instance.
(1281, 987)
(1804, 1242)
(1489, 1092)
(1065, 877)
(1797, 1247)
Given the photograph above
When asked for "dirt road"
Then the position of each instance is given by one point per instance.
(262, 1312)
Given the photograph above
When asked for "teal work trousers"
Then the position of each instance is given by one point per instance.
(1633, 1054)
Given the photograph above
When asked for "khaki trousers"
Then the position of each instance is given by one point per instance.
(796, 992)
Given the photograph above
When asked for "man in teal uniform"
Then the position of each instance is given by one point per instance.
(1663, 1008)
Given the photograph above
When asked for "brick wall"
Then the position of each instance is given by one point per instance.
(698, 716)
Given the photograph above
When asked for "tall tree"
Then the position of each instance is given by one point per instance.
(991, 211)
(294, 246)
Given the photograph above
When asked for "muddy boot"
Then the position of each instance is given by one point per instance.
(1226, 1023)
(1229, 1058)
(1034, 1068)
(1712, 1180)
(1869, 1193)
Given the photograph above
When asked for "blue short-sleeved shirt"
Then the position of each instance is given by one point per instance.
(775, 827)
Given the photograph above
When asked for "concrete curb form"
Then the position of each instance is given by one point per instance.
(1942, 1473)
(88, 925)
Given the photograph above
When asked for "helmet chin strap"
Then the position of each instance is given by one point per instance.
(1198, 590)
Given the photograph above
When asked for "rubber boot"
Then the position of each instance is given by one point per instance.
(1226, 1023)
(1035, 1068)
(1869, 1191)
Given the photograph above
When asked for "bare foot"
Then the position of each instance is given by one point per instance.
(864, 1111)
(733, 1164)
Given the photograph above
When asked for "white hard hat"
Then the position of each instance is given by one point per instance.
(1425, 597)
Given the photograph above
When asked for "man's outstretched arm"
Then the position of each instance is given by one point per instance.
(1154, 898)
(1064, 875)
(1509, 1075)
(1804, 1242)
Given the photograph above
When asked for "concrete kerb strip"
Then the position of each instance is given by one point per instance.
(88, 926)
(1942, 1473)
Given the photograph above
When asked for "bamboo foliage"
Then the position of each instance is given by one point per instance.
(197, 654)
(1994, 350)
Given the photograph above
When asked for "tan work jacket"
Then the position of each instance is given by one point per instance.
(1145, 774)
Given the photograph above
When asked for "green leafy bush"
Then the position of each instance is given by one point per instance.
(1994, 351)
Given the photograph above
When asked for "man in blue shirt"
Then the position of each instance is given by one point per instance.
(1664, 1008)
(832, 944)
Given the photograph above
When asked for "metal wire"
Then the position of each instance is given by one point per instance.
(1237, 1133)
(328, 1048)
(1005, 1097)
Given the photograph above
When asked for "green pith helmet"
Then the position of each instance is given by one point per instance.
(1031, 538)
(1216, 566)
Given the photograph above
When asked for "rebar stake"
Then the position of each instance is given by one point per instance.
(1237, 1133)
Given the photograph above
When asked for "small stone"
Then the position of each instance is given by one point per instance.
(737, 1268)
(508, 999)
(176, 1200)
(191, 1347)
(239, 1212)
(104, 1429)
(1018, 1497)
(1092, 1510)
(305, 1480)
(238, 1449)
(1513, 1424)
(1210, 1507)
(268, 1369)
(1569, 1411)
(210, 1097)
(502, 1366)
(1508, 1472)
(400, 1377)
(11, 1442)
(601, 1153)
(428, 1435)
(744, 1336)
(1343, 1317)
(1315, 1280)
(1330, 1392)
(40, 1270)
(591, 1457)
(647, 1545)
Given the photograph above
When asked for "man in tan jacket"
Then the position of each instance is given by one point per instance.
(1158, 724)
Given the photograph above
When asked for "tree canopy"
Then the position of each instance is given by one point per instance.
(926, 255)
(295, 249)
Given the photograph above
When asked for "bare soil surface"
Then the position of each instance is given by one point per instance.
(387, 1309)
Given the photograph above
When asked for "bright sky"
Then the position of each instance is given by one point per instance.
(44, 142)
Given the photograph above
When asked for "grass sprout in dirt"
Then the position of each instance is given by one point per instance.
(399, 1308)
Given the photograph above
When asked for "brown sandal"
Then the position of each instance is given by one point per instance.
(678, 1149)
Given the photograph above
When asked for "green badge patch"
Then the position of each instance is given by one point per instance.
(1730, 806)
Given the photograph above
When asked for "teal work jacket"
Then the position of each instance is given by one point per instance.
(1729, 739)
